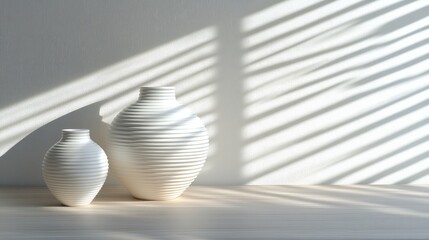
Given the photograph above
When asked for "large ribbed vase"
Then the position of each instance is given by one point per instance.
(158, 145)
(75, 168)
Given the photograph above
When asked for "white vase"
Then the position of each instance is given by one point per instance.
(158, 145)
(75, 168)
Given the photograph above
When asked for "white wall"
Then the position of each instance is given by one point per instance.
(292, 92)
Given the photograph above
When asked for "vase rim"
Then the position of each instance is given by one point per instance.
(158, 88)
(75, 130)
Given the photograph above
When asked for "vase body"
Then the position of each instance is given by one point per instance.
(158, 145)
(75, 168)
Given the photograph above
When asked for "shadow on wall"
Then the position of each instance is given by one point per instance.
(336, 93)
(191, 58)
(51, 46)
(324, 92)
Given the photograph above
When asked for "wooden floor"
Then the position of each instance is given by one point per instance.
(247, 212)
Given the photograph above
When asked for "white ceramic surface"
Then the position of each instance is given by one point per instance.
(75, 168)
(158, 145)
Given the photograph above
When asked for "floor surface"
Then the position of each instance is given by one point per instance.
(245, 212)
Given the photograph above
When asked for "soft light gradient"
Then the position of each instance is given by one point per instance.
(292, 92)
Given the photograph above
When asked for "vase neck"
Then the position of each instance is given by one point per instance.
(75, 135)
(158, 94)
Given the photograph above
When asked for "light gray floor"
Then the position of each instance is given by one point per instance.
(247, 212)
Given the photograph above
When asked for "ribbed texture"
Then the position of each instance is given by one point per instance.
(157, 94)
(75, 168)
(75, 135)
(158, 145)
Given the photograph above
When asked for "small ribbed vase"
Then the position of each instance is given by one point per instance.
(158, 145)
(75, 168)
